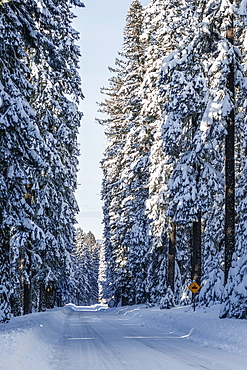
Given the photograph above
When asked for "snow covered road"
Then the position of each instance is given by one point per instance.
(130, 338)
(99, 340)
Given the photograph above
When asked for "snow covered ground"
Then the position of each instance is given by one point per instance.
(87, 338)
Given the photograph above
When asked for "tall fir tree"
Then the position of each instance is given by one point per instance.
(235, 294)
(83, 290)
(21, 157)
(37, 76)
(127, 223)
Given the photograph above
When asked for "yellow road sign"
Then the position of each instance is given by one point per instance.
(194, 287)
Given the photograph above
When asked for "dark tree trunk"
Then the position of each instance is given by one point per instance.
(196, 238)
(42, 298)
(4, 271)
(27, 304)
(27, 299)
(50, 296)
(230, 170)
(196, 250)
(171, 257)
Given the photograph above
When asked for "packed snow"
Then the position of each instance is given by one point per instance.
(136, 337)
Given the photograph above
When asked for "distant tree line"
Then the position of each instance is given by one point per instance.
(174, 168)
(85, 257)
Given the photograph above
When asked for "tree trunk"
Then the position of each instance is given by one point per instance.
(196, 239)
(27, 299)
(27, 304)
(196, 250)
(50, 296)
(171, 257)
(230, 169)
(42, 297)
(5, 304)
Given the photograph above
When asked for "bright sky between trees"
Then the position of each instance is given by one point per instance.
(101, 26)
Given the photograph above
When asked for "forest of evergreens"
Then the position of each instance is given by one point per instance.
(174, 185)
(40, 89)
(174, 168)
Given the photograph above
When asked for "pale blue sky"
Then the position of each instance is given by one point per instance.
(101, 26)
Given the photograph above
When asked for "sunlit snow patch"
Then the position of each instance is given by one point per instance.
(73, 307)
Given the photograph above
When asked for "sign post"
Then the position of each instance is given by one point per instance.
(194, 287)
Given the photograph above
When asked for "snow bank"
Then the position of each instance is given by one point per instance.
(202, 326)
(28, 342)
(22, 349)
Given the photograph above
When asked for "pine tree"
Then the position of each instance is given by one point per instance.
(235, 297)
(55, 77)
(81, 265)
(229, 150)
(164, 31)
(125, 216)
(85, 266)
(168, 300)
(158, 44)
(114, 107)
(94, 249)
(111, 176)
(235, 294)
(183, 89)
(226, 95)
(34, 55)
(104, 282)
(20, 159)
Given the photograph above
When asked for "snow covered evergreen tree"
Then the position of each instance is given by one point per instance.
(200, 119)
(126, 195)
(165, 32)
(176, 132)
(94, 248)
(20, 161)
(85, 265)
(134, 163)
(158, 40)
(114, 107)
(235, 294)
(57, 86)
(39, 62)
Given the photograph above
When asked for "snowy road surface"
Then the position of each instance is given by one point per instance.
(99, 340)
(130, 338)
